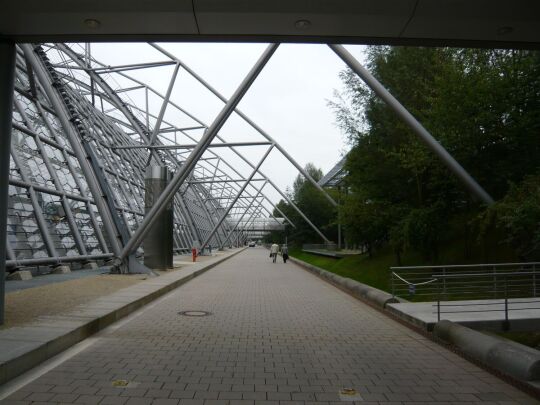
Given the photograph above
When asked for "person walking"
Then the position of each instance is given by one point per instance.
(274, 251)
(285, 253)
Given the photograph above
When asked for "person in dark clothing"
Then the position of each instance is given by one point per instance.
(285, 253)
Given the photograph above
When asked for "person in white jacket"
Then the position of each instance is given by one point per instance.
(274, 251)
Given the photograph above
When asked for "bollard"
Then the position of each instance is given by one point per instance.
(194, 254)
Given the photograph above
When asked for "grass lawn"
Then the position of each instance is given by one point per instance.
(374, 272)
(531, 339)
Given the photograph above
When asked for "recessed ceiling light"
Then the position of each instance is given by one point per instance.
(92, 23)
(505, 30)
(302, 24)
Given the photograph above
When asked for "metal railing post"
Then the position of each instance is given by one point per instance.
(534, 280)
(494, 282)
(506, 325)
(444, 279)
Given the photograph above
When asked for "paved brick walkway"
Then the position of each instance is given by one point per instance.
(277, 335)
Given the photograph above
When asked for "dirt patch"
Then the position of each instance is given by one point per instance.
(24, 306)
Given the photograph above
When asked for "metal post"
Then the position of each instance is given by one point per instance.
(444, 280)
(408, 118)
(534, 280)
(506, 325)
(495, 282)
(7, 74)
(185, 170)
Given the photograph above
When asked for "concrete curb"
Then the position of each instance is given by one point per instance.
(509, 357)
(362, 291)
(25, 347)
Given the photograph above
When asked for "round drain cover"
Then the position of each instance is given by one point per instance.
(195, 313)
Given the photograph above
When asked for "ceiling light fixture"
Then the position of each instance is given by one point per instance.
(92, 23)
(302, 24)
(505, 30)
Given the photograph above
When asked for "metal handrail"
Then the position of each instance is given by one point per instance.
(456, 266)
(415, 284)
(484, 274)
(505, 287)
(498, 282)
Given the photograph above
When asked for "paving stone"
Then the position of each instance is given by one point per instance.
(139, 401)
(64, 398)
(277, 335)
(89, 399)
(113, 400)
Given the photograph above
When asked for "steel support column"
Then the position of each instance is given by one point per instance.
(417, 128)
(7, 74)
(185, 170)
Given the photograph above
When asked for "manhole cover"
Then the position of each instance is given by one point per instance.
(194, 313)
(349, 394)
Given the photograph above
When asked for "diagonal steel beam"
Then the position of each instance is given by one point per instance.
(184, 171)
(164, 105)
(413, 123)
(242, 217)
(253, 173)
(191, 146)
(249, 121)
(148, 88)
(203, 125)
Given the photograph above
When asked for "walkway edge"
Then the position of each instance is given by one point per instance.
(518, 362)
(27, 346)
(373, 295)
(512, 358)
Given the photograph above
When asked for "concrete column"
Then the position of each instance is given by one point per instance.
(7, 73)
(158, 243)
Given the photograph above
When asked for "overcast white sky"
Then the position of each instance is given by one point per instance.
(288, 99)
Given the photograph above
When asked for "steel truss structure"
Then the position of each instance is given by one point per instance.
(80, 147)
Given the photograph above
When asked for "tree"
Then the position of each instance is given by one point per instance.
(313, 205)
(483, 106)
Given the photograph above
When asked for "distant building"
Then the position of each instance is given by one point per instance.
(336, 175)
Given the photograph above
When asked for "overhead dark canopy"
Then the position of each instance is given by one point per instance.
(419, 22)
